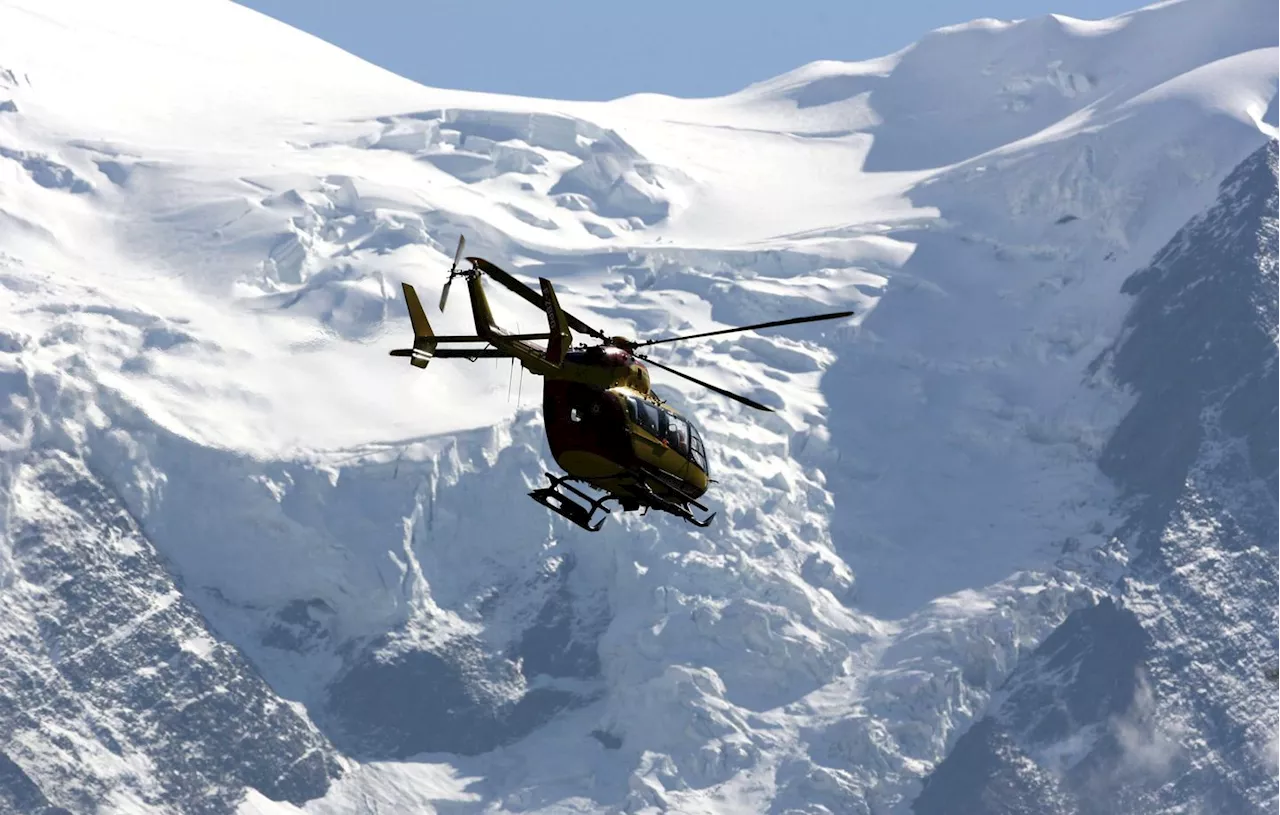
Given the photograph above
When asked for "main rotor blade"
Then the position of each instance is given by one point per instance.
(772, 324)
(534, 297)
(744, 400)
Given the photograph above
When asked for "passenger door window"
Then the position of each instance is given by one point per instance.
(647, 416)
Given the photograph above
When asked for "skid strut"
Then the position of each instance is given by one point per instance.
(680, 510)
(663, 504)
(558, 502)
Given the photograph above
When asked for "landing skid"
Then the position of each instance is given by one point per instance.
(671, 506)
(554, 498)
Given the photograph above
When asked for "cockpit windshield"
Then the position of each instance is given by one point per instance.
(679, 434)
(697, 451)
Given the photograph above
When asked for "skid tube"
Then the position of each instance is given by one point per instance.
(558, 502)
(667, 505)
(672, 507)
(554, 499)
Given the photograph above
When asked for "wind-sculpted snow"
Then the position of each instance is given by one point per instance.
(46, 172)
(586, 167)
(1027, 79)
(304, 574)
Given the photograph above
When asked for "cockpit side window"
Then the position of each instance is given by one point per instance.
(645, 414)
(681, 435)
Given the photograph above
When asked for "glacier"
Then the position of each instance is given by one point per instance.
(1007, 545)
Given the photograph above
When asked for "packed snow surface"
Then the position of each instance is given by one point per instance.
(204, 220)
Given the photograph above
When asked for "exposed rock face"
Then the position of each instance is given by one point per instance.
(1160, 698)
(112, 686)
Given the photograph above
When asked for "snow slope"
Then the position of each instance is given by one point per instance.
(204, 216)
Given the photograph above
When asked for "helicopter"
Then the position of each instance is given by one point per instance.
(605, 426)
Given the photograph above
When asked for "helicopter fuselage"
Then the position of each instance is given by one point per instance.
(623, 441)
(604, 424)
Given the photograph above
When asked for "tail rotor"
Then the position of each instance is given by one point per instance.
(453, 271)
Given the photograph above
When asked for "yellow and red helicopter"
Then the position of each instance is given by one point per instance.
(605, 425)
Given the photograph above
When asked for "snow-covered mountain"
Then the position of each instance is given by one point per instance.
(1007, 544)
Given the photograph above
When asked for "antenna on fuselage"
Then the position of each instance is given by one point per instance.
(520, 387)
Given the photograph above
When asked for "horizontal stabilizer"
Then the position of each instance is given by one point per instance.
(450, 353)
(473, 338)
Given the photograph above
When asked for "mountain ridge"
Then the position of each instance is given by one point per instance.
(201, 290)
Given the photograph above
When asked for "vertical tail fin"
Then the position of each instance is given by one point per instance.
(561, 338)
(424, 344)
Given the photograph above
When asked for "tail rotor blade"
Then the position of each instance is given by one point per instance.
(453, 270)
(457, 256)
(444, 295)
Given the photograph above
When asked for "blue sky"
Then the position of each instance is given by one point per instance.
(573, 49)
